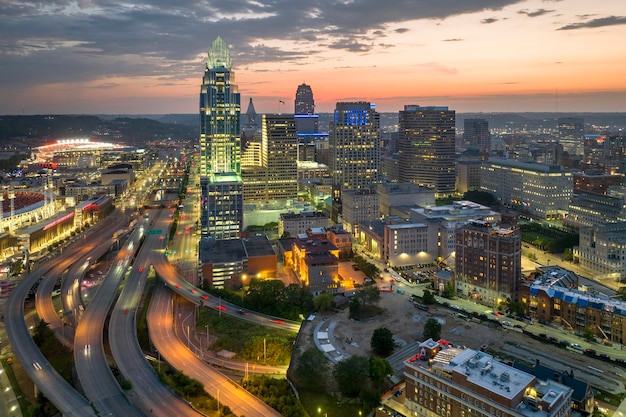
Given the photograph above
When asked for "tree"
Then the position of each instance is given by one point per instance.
(589, 334)
(517, 307)
(428, 297)
(379, 370)
(432, 329)
(568, 254)
(382, 341)
(480, 197)
(621, 293)
(448, 290)
(311, 369)
(323, 302)
(352, 375)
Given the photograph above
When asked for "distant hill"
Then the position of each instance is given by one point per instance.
(128, 130)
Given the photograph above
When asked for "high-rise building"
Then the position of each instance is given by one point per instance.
(304, 103)
(354, 146)
(476, 134)
(279, 156)
(572, 135)
(542, 191)
(274, 176)
(426, 140)
(220, 147)
(488, 262)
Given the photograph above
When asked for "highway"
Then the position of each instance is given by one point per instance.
(227, 392)
(95, 376)
(67, 399)
(152, 397)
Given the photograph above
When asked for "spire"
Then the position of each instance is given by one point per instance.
(251, 110)
(219, 56)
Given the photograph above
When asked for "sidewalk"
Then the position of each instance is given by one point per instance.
(9, 406)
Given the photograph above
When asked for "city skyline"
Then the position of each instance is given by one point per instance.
(96, 57)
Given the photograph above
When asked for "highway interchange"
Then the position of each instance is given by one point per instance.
(82, 327)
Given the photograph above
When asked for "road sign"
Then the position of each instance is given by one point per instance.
(154, 231)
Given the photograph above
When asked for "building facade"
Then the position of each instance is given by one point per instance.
(488, 262)
(602, 249)
(468, 175)
(354, 146)
(220, 147)
(476, 135)
(454, 382)
(572, 135)
(393, 194)
(541, 191)
(426, 143)
(294, 224)
(359, 206)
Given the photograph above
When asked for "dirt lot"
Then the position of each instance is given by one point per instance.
(407, 322)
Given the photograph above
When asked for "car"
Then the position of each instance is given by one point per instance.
(576, 346)
(278, 321)
(141, 268)
(37, 366)
(506, 323)
(125, 311)
(204, 297)
(221, 308)
(179, 286)
(518, 326)
(193, 290)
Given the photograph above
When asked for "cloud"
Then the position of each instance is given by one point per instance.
(489, 20)
(350, 45)
(536, 13)
(596, 23)
(402, 30)
(453, 40)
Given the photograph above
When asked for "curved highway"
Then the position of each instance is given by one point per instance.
(160, 325)
(92, 367)
(155, 398)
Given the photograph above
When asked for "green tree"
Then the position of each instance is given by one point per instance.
(311, 369)
(480, 197)
(428, 297)
(355, 308)
(517, 307)
(568, 254)
(449, 291)
(379, 370)
(432, 329)
(352, 375)
(589, 334)
(323, 302)
(382, 341)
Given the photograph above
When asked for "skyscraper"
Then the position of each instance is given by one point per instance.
(426, 147)
(476, 134)
(220, 147)
(304, 103)
(354, 146)
(572, 135)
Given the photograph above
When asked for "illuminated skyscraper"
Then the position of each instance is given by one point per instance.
(426, 147)
(354, 146)
(220, 147)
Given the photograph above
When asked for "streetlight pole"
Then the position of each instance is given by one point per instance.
(208, 343)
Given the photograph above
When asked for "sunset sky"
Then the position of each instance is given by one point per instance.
(147, 57)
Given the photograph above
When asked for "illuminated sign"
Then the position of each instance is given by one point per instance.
(59, 221)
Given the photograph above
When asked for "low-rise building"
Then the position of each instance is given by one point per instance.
(293, 224)
(447, 381)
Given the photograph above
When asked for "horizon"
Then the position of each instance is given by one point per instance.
(476, 56)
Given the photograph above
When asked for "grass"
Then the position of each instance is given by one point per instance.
(143, 336)
(249, 341)
(317, 403)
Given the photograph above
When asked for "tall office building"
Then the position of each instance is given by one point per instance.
(279, 156)
(476, 134)
(572, 135)
(304, 103)
(426, 147)
(354, 146)
(220, 147)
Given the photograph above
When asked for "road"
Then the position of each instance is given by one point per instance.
(227, 392)
(149, 394)
(95, 375)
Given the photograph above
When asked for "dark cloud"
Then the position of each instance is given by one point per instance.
(453, 40)
(59, 41)
(596, 23)
(535, 13)
(489, 20)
